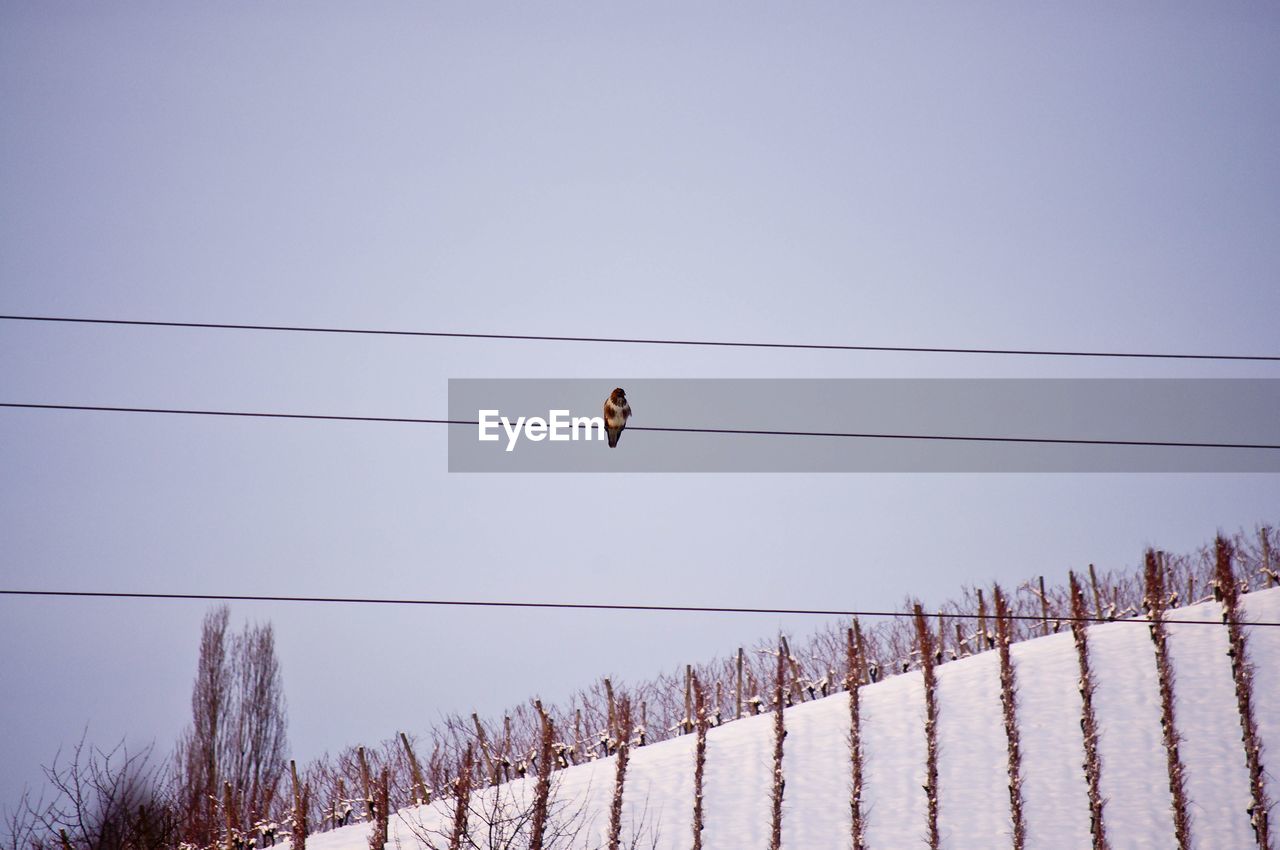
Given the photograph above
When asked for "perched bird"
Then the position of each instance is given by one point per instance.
(616, 413)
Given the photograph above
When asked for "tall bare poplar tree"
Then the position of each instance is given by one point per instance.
(237, 735)
(197, 756)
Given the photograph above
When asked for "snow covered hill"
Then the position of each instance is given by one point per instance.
(973, 782)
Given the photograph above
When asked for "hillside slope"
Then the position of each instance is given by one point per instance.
(973, 783)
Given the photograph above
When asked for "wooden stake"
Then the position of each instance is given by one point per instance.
(687, 725)
(795, 670)
(940, 652)
(984, 641)
(506, 747)
(865, 672)
(613, 718)
(738, 713)
(419, 793)
(298, 839)
(851, 680)
(368, 783)
(484, 750)
(1044, 607)
(1273, 576)
(228, 815)
(1097, 597)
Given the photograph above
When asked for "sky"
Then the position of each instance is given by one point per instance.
(992, 175)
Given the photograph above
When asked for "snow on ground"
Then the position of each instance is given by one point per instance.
(893, 778)
(1135, 778)
(659, 791)
(739, 766)
(1264, 655)
(973, 783)
(1056, 809)
(1209, 722)
(818, 773)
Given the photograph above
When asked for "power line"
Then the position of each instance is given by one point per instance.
(246, 413)
(738, 431)
(641, 341)
(575, 606)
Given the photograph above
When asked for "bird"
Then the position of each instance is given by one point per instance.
(616, 413)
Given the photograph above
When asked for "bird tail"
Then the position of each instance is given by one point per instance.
(613, 438)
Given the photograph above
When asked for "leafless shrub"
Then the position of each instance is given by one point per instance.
(99, 800)
(855, 663)
(1009, 706)
(701, 724)
(623, 734)
(925, 643)
(1088, 718)
(542, 790)
(378, 837)
(1155, 601)
(23, 830)
(462, 802)
(1227, 587)
(502, 818)
(779, 735)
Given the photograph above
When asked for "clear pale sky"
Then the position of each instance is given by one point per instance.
(985, 175)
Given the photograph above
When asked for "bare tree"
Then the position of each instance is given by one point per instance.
(237, 734)
(100, 800)
(256, 765)
(22, 829)
(197, 753)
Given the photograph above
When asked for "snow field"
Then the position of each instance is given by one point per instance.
(973, 778)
